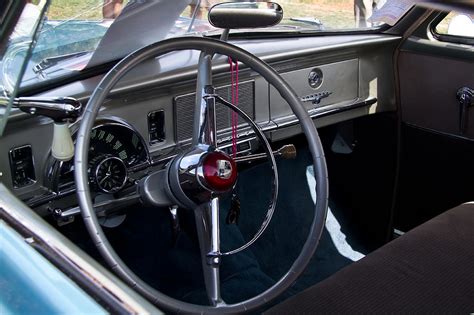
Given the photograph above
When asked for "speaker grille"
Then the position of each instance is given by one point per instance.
(184, 109)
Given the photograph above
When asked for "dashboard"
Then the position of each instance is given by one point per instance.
(147, 118)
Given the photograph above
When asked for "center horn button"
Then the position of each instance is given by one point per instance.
(219, 171)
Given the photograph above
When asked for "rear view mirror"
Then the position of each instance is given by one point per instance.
(236, 15)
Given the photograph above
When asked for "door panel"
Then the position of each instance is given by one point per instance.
(428, 86)
(437, 159)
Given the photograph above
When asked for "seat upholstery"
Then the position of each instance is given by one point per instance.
(429, 269)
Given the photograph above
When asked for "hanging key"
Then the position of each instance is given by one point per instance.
(234, 211)
(175, 226)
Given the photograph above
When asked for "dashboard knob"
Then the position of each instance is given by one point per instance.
(315, 78)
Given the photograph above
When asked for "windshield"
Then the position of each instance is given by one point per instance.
(81, 34)
(13, 59)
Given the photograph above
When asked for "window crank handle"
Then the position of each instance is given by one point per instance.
(465, 97)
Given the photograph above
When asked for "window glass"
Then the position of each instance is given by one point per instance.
(15, 56)
(457, 24)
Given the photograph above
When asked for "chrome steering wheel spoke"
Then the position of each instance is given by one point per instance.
(207, 225)
(204, 128)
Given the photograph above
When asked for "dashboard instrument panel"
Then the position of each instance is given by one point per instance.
(157, 113)
(115, 148)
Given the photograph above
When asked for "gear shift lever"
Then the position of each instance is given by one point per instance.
(63, 110)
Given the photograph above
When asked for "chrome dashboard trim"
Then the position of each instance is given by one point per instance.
(323, 111)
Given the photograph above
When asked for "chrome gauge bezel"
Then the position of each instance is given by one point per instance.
(97, 176)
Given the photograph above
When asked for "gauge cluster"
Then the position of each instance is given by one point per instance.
(114, 149)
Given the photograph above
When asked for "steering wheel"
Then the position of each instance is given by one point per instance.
(198, 176)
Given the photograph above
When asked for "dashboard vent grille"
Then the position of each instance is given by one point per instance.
(184, 109)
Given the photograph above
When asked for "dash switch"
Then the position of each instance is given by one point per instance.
(156, 126)
(22, 166)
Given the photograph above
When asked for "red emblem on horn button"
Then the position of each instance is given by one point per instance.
(219, 170)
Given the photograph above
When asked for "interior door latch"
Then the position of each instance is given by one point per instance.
(465, 97)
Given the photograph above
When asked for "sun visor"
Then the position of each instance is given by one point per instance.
(141, 23)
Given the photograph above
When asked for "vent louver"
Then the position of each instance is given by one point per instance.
(184, 109)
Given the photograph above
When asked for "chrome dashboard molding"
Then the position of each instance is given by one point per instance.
(13, 210)
(323, 111)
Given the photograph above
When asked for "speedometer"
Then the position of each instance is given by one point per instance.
(119, 141)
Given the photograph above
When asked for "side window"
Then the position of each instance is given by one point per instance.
(455, 27)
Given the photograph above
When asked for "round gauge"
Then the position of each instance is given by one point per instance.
(109, 173)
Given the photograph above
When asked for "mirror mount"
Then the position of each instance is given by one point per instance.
(225, 35)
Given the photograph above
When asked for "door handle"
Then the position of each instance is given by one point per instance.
(465, 97)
